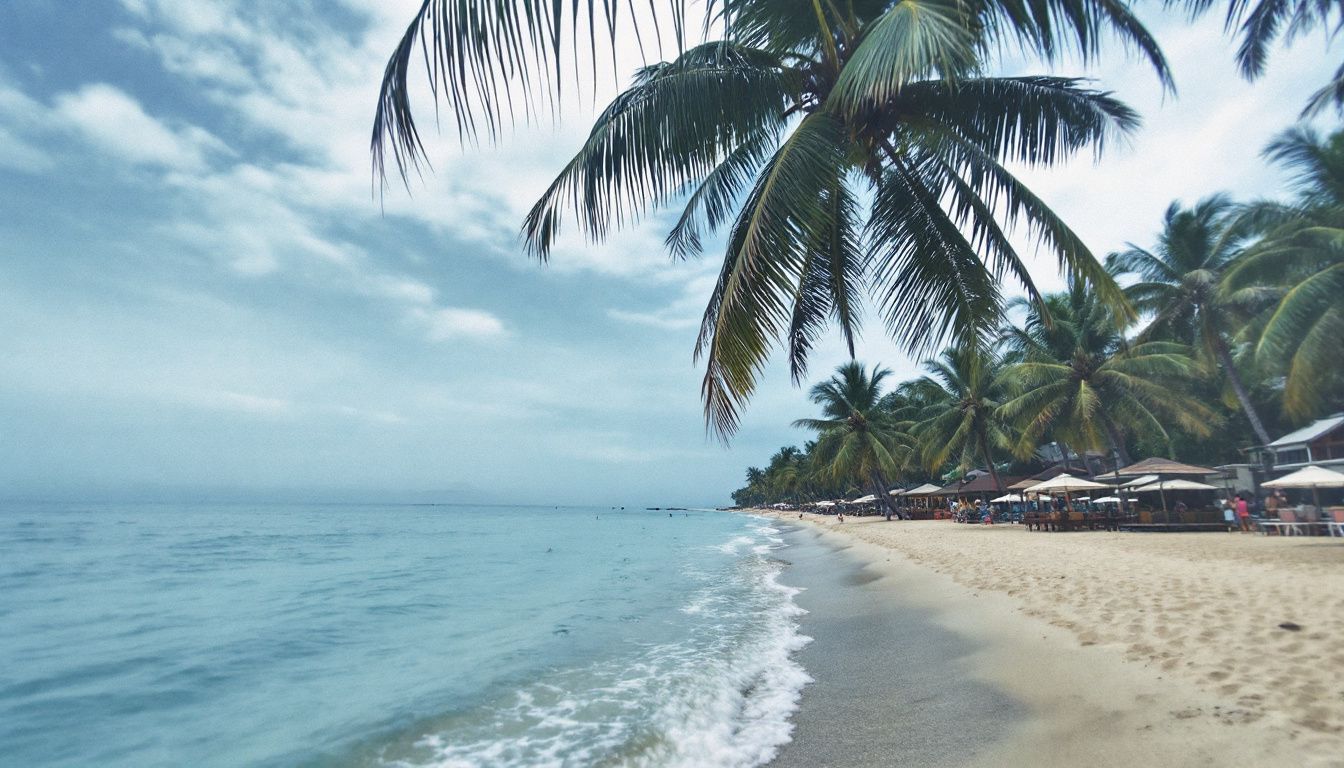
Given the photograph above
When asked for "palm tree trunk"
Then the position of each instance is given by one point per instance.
(989, 461)
(1117, 445)
(1114, 436)
(880, 484)
(1233, 378)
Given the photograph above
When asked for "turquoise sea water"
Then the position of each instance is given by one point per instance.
(163, 635)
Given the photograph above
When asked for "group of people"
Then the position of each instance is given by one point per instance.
(980, 511)
(1237, 509)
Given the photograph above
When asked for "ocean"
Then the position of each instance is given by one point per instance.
(400, 636)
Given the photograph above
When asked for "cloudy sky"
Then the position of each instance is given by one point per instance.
(199, 292)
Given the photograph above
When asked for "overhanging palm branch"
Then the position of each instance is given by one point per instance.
(1262, 23)
(1299, 266)
(786, 120)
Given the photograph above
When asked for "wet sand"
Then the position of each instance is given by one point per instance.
(1099, 649)
(850, 717)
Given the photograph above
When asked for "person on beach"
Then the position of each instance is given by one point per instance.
(1273, 503)
(1229, 514)
(1243, 513)
(840, 517)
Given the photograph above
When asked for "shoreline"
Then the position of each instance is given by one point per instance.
(1119, 649)
(848, 717)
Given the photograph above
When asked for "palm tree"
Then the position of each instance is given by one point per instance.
(1301, 262)
(1078, 376)
(959, 413)
(1180, 284)
(785, 475)
(857, 438)
(843, 145)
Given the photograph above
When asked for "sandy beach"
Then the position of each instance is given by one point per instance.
(1121, 648)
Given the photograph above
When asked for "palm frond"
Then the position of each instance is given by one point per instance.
(1052, 28)
(1031, 120)
(831, 279)
(913, 40)
(672, 128)
(750, 306)
(491, 58)
(713, 201)
(933, 285)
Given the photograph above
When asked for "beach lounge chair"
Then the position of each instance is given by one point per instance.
(1289, 523)
(1299, 525)
(1335, 526)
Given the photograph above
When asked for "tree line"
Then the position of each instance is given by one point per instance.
(1238, 335)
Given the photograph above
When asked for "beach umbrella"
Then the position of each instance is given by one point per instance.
(1066, 483)
(1006, 498)
(1144, 480)
(825, 503)
(870, 498)
(1312, 477)
(1162, 486)
(1160, 466)
(1174, 485)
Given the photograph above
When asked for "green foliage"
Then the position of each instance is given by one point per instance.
(959, 401)
(1299, 265)
(1262, 23)
(857, 438)
(1076, 377)
(1227, 291)
(847, 148)
(1181, 286)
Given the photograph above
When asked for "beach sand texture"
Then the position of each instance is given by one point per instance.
(1187, 628)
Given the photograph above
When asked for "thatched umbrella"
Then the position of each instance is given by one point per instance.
(1160, 466)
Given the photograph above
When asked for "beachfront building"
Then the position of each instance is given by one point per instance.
(1320, 443)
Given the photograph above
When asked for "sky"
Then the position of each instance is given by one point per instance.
(201, 295)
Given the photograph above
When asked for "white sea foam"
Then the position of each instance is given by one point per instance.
(721, 698)
(732, 546)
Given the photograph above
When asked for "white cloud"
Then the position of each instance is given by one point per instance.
(117, 124)
(16, 154)
(242, 402)
(403, 289)
(683, 313)
(449, 323)
(21, 119)
(376, 417)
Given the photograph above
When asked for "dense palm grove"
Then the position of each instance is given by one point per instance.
(843, 153)
(1240, 337)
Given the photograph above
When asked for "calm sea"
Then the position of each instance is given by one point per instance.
(162, 635)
